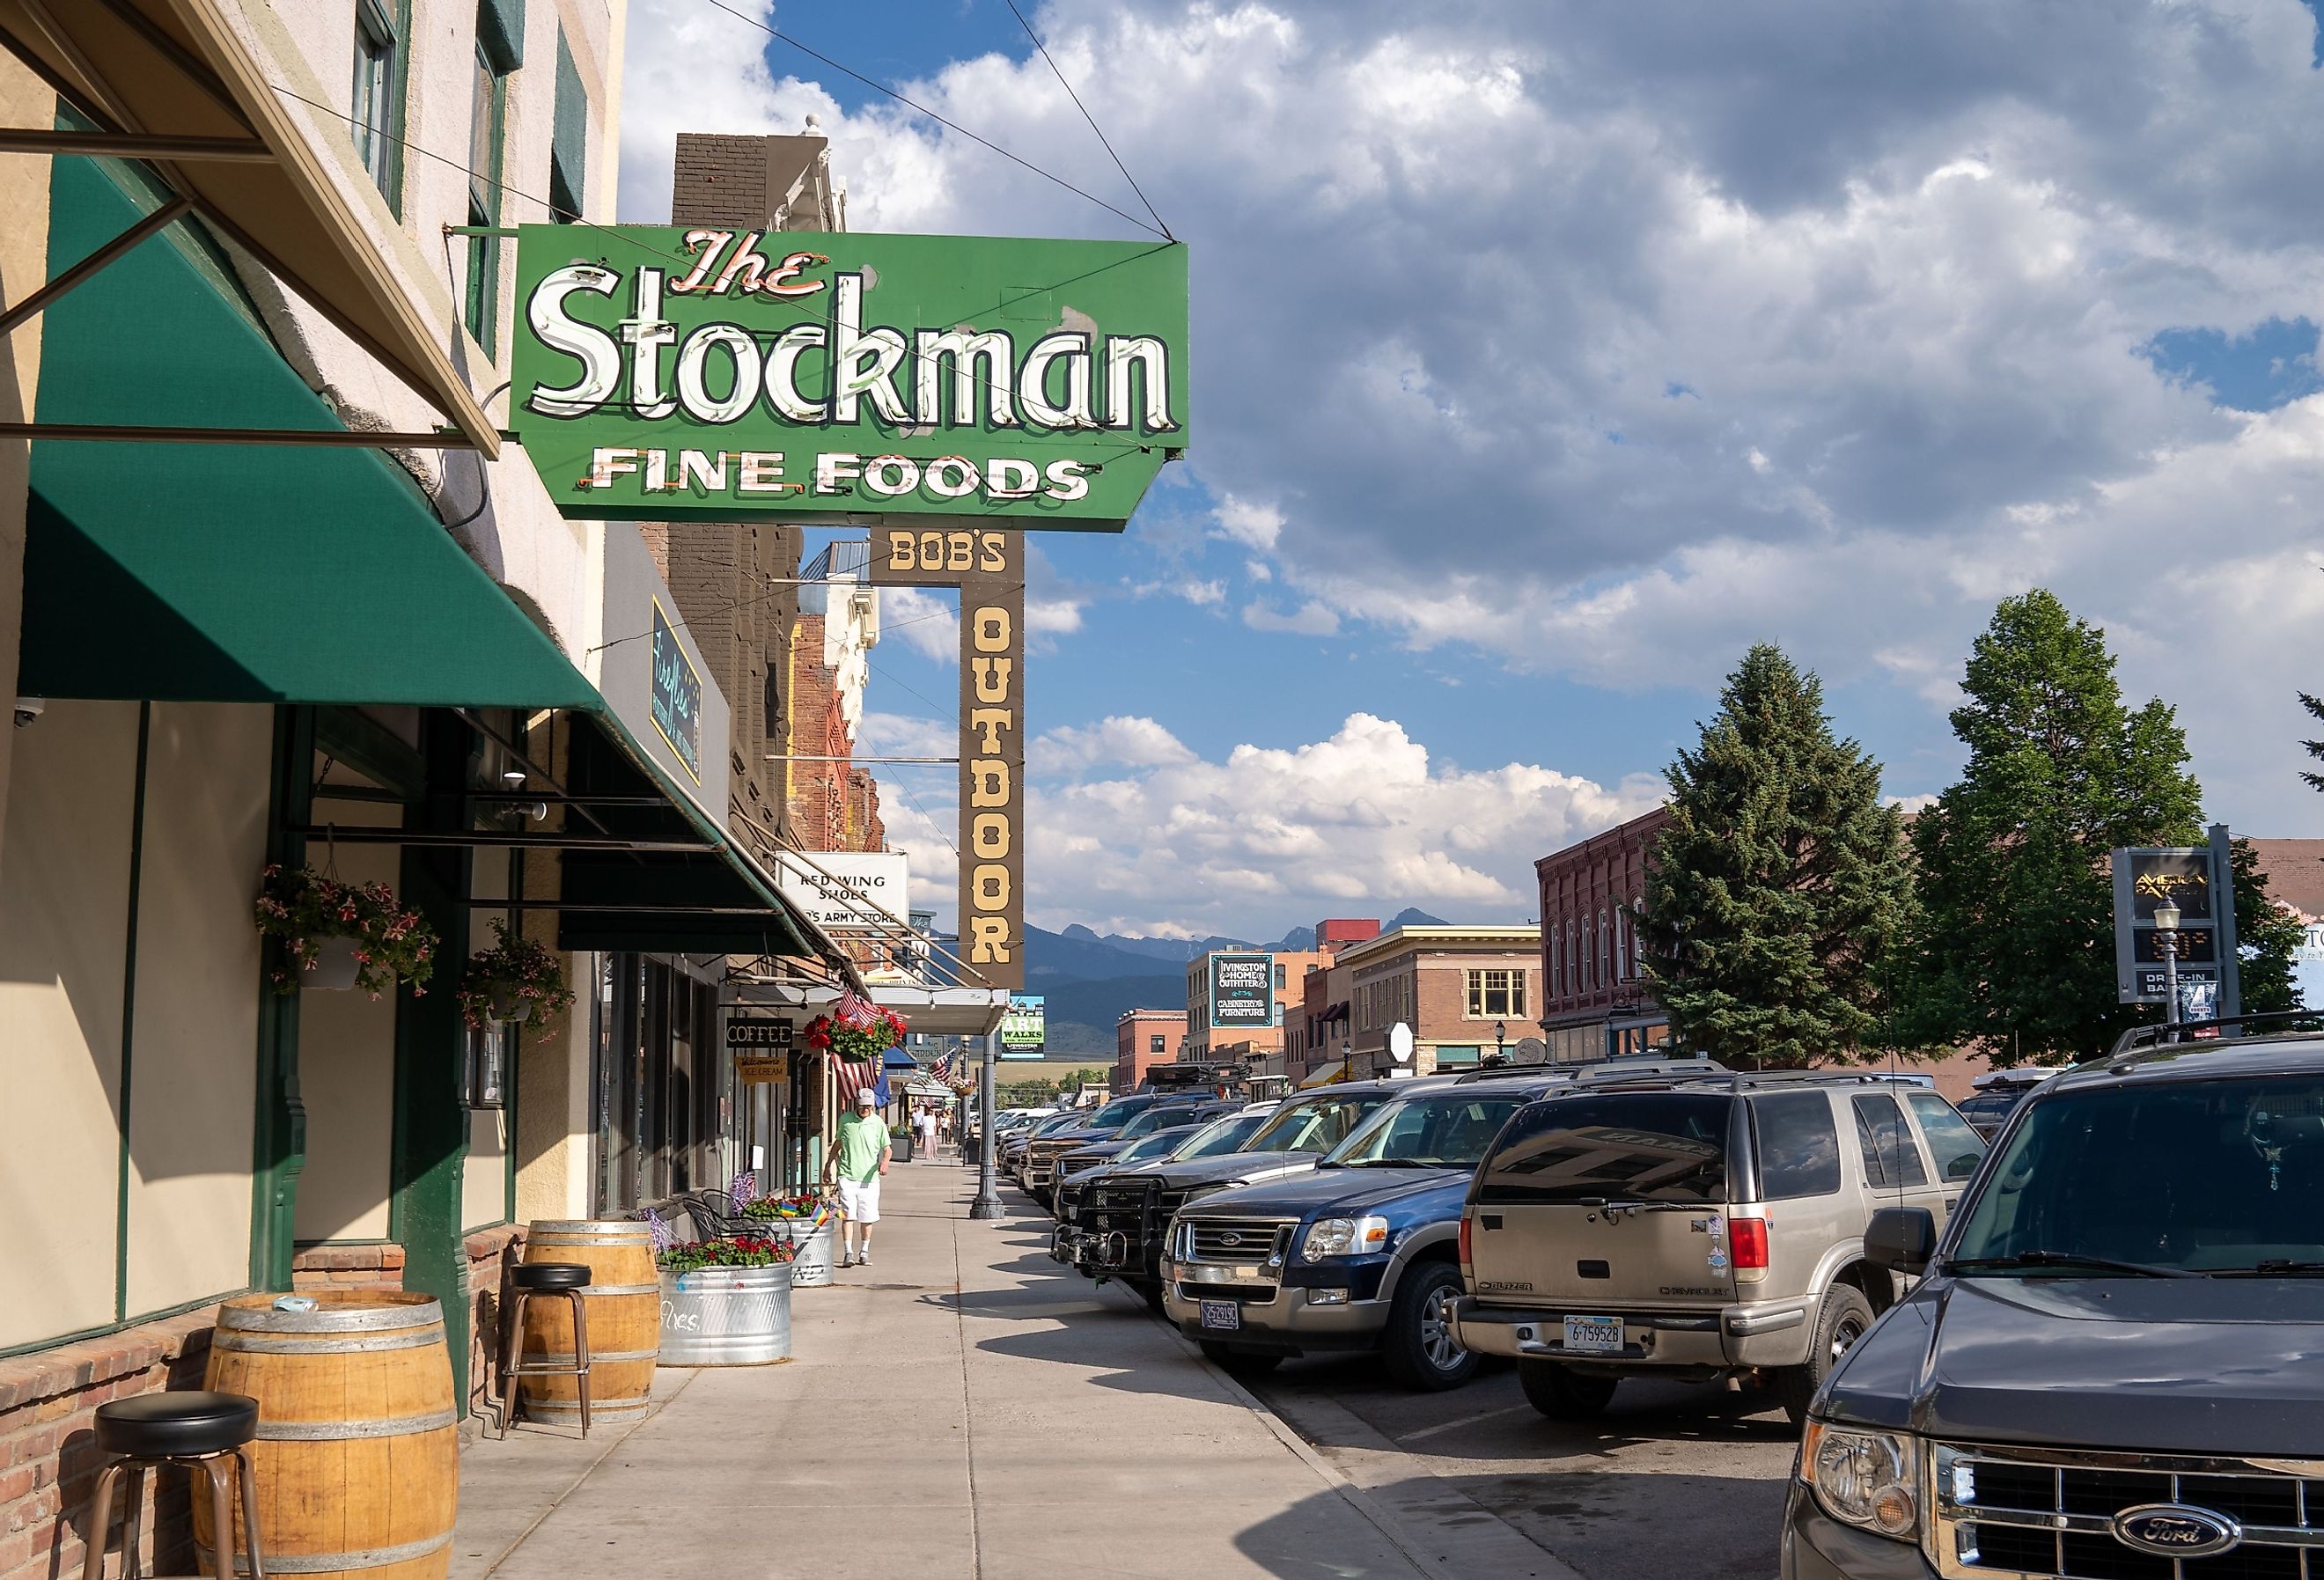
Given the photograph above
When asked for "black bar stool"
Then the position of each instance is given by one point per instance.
(199, 1431)
(523, 1280)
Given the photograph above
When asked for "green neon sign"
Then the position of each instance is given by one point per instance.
(663, 373)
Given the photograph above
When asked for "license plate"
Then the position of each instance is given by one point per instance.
(1221, 1315)
(1594, 1336)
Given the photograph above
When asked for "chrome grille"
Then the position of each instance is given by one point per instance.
(2008, 1511)
(1231, 1241)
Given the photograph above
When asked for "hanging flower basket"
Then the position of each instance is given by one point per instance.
(513, 980)
(307, 911)
(855, 1030)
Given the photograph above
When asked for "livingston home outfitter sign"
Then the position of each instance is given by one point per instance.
(848, 379)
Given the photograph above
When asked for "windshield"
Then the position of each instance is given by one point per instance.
(1146, 1149)
(2206, 1176)
(1056, 1122)
(1432, 1132)
(1626, 1146)
(1118, 1111)
(1221, 1135)
(1153, 1119)
(1315, 1125)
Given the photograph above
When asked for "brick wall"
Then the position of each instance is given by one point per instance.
(48, 1446)
(348, 1267)
(488, 1249)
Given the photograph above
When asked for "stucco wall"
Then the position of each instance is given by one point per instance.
(24, 101)
(64, 913)
(346, 1067)
(194, 1038)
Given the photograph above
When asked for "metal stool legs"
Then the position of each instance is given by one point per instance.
(513, 1365)
(222, 1479)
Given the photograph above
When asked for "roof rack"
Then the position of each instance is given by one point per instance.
(2166, 1034)
(1621, 1069)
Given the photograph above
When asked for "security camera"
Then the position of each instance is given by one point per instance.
(29, 708)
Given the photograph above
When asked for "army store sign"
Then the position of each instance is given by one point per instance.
(662, 373)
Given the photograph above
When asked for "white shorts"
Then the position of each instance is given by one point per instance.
(859, 1203)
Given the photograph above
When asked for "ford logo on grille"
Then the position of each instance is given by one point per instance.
(2176, 1531)
(1231, 1238)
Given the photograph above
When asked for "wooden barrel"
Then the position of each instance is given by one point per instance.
(624, 1301)
(358, 1453)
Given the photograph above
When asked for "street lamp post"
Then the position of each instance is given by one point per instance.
(2166, 944)
(1500, 1041)
(987, 1204)
(1347, 1060)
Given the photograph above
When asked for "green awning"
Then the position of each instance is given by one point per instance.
(233, 573)
(664, 902)
(271, 574)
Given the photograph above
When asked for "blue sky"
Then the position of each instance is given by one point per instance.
(1548, 356)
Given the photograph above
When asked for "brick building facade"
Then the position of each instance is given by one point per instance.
(1143, 1038)
(1453, 985)
(1595, 1001)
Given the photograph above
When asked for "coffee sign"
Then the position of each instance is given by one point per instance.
(663, 372)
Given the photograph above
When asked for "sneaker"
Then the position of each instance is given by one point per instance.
(863, 1260)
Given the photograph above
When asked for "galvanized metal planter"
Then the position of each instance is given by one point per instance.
(726, 1315)
(814, 1257)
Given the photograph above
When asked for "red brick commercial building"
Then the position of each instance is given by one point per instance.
(1595, 1002)
(1143, 1038)
(1453, 985)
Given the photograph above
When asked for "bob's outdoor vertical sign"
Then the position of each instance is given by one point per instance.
(988, 567)
(664, 372)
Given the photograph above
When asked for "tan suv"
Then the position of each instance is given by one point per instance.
(1697, 1228)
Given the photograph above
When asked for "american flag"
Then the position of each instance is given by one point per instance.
(853, 1074)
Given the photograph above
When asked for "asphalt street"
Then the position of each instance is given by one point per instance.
(1674, 1479)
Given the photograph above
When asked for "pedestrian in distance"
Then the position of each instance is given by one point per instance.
(861, 1161)
(924, 1129)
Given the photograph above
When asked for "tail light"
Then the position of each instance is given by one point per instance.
(1746, 1242)
(1464, 1240)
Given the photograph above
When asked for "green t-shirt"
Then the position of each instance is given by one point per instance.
(863, 1138)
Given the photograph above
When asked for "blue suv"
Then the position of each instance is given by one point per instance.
(1362, 1253)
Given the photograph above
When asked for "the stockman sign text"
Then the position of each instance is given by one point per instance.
(872, 380)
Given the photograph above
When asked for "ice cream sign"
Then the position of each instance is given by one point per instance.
(662, 373)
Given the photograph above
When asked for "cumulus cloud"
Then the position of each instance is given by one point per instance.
(928, 622)
(1631, 335)
(1310, 619)
(1272, 837)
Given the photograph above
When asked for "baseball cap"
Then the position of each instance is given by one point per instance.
(863, 1097)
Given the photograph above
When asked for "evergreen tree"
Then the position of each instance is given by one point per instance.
(2315, 706)
(2015, 947)
(1780, 882)
(2265, 938)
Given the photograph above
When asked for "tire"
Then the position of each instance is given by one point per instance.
(1842, 1319)
(1237, 1363)
(1562, 1394)
(1420, 1347)
(1149, 1291)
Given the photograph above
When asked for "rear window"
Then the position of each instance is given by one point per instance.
(1630, 1146)
(1118, 1111)
(1799, 1146)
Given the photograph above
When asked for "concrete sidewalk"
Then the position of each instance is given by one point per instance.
(963, 1410)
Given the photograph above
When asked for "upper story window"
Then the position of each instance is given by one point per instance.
(1157, 1044)
(378, 104)
(569, 142)
(487, 120)
(1495, 994)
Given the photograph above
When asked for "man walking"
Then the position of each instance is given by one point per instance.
(863, 1158)
(924, 1129)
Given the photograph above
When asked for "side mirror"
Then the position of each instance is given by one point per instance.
(1901, 1240)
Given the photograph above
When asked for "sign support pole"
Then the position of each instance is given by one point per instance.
(987, 1204)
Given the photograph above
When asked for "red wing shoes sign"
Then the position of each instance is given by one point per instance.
(663, 373)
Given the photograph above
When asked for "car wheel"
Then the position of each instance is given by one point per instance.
(1562, 1394)
(1420, 1347)
(1237, 1363)
(1149, 1291)
(1843, 1319)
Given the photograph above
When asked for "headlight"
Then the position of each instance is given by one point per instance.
(1870, 1480)
(1344, 1237)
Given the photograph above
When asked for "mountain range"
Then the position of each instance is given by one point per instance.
(1090, 979)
